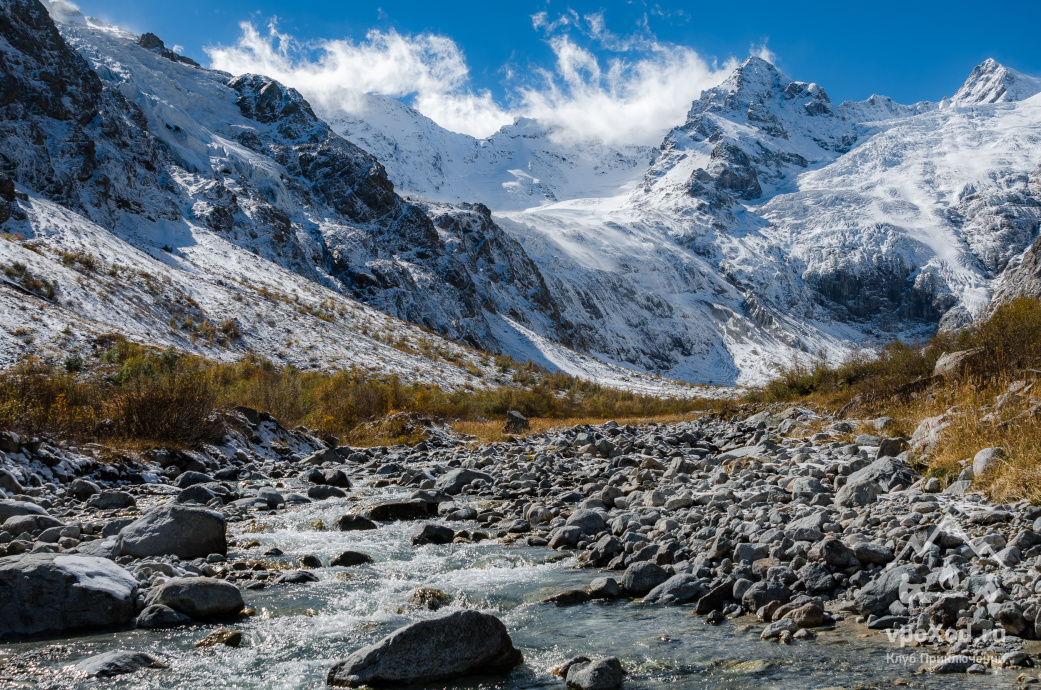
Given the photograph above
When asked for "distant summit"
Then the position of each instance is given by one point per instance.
(992, 82)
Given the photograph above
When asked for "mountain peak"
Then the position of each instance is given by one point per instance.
(992, 82)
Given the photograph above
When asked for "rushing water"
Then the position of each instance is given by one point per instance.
(301, 630)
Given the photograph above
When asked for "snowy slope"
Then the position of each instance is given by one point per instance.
(520, 166)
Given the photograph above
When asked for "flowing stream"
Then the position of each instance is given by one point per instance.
(301, 630)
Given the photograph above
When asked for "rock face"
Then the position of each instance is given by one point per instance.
(460, 644)
(175, 531)
(52, 593)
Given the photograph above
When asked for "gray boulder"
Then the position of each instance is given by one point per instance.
(81, 489)
(56, 593)
(986, 460)
(160, 616)
(398, 510)
(460, 644)
(880, 593)
(112, 500)
(117, 663)
(678, 589)
(30, 523)
(589, 521)
(10, 509)
(200, 598)
(175, 531)
(453, 482)
(9, 482)
(857, 494)
(602, 674)
(888, 472)
(640, 578)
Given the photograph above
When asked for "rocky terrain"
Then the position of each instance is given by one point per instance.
(782, 525)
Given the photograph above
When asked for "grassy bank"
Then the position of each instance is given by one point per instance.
(141, 396)
(981, 412)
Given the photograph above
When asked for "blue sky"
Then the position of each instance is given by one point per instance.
(506, 63)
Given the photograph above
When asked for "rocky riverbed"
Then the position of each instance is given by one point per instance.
(781, 549)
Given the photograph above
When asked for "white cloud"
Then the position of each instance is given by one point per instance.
(634, 95)
(333, 74)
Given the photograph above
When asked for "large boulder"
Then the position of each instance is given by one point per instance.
(45, 593)
(397, 510)
(888, 472)
(453, 482)
(30, 523)
(175, 531)
(117, 663)
(640, 578)
(678, 589)
(460, 644)
(880, 593)
(857, 494)
(10, 509)
(201, 598)
(590, 522)
(602, 674)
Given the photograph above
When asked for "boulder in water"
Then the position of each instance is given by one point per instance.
(463, 643)
(175, 531)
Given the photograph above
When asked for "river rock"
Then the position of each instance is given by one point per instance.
(112, 500)
(678, 589)
(175, 531)
(83, 489)
(117, 663)
(397, 510)
(640, 578)
(589, 521)
(986, 460)
(459, 644)
(452, 482)
(201, 598)
(160, 616)
(880, 593)
(857, 494)
(433, 534)
(10, 509)
(888, 472)
(602, 674)
(349, 559)
(56, 593)
(352, 523)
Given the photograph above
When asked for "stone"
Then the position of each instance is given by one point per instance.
(866, 552)
(81, 489)
(186, 479)
(397, 511)
(590, 522)
(179, 531)
(763, 592)
(460, 644)
(891, 447)
(159, 616)
(834, 553)
(433, 534)
(201, 598)
(57, 593)
(454, 481)
(571, 597)
(228, 638)
(678, 589)
(880, 593)
(953, 364)
(857, 494)
(112, 500)
(605, 588)
(31, 523)
(888, 472)
(809, 615)
(295, 577)
(640, 578)
(10, 509)
(117, 663)
(323, 492)
(986, 460)
(602, 674)
(349, 559)
(515, 423)
(775, 629)
(9, 482)
(430, 599)
(352, 523)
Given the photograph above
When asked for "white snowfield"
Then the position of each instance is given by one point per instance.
(772, 224)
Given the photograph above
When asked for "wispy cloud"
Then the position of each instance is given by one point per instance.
(616, 88)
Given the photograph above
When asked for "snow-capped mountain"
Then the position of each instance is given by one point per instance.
(992, 82)
(771, 222)
(520, 166)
